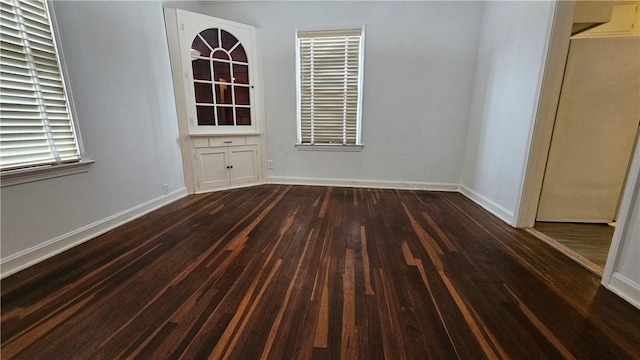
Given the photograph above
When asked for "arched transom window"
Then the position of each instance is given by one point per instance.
(221, 79)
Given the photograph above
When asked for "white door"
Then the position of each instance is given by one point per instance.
(595, 129)
(243, 161)
(211, 168)
(219, 61)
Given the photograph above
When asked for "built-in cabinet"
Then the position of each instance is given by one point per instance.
(223, 162)
(216, 72)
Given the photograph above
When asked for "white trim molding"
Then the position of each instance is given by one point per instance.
(540, 132)
(612, 278)
(625, 288)
(22, 260)
(328, 147)
(21, 176)
(379, 184)
(488, 204)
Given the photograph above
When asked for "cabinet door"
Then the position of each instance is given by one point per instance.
(211, 168)
(218, 58)
(244, 160)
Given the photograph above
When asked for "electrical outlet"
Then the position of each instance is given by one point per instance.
(165, 189)
(269, 164)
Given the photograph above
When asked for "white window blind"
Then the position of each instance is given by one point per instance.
(35, 126)
(329, 86)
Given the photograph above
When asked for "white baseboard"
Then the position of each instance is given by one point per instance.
(489, 205)
(378, 184)
(625, 288)
(19, 261)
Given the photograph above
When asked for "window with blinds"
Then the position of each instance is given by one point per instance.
(329, 83)
(35, 126)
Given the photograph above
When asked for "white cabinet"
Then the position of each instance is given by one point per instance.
(243, 161)
(215, 65)
(226, 162)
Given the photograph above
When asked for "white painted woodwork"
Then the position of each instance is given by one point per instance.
(210, 169)
(595, 130)
(244, 161)
(622, 271)
(225, 162)
(215, 157)
(190, 25)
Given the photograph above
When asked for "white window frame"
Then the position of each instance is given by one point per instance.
(36, 173)
(360, 82)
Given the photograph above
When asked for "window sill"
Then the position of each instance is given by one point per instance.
(22, 176)
(330, 147)
(191, 135)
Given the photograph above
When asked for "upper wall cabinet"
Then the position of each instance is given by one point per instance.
(217, 61)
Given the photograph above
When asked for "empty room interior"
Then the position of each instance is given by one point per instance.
(320, 179)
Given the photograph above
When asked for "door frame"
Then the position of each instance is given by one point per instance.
(542, 129)
(539, 144)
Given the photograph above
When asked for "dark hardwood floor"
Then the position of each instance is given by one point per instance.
(592, 241)
(315, 273)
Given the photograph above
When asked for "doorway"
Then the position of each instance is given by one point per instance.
(592, 140)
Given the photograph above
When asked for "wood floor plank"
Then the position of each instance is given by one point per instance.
(302, 272)
(591, 241)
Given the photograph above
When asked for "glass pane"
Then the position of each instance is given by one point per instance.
(204, 93)
(243, 116)
(225, 115)
(199, 45)
(222, 71)
(220, 54)
(211, 37)
(205, 115)
(238, 54)
(240, 74)
(223, 94)
(228, 40)
(201, 70)
(242, 95)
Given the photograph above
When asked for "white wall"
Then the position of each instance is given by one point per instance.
(118, 65)
(511, 58)
(419, 67)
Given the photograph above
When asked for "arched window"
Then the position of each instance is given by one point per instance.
(221, 79)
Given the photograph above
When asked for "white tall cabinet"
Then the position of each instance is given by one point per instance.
(217, 77)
